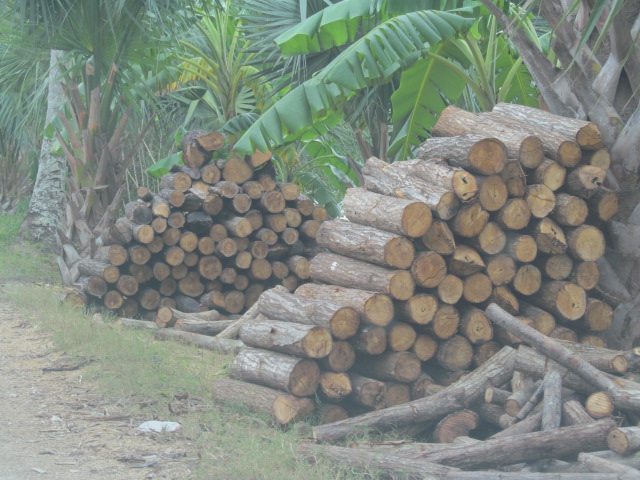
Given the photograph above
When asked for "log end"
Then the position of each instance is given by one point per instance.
(488, 156)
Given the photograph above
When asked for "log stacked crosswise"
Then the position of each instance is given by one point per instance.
(493, 210)
(215, 236)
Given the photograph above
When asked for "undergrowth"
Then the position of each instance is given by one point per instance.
(145, 375)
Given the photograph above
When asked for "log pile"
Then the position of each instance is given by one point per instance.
(215, 236)
(497, 211)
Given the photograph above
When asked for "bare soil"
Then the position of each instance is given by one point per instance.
(55, 425)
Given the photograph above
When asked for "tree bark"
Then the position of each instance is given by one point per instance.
(47, 199)
(476, 153)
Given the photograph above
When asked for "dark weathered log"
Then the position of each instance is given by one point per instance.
(573, 413)
(389, 463)
(371, 340)
(380, 179)
(367, 391)
(375, 308)
(334, 385)
(624, 440)
(552, 404)
(221, 345)
(585, 180)
(347, 272)
(455, 354)
(484, 352)
(514, 178)
(475, 153)
(526, 447)
(604, 204)
(521, 145)
(495, 371)
(341, 357)
(390, 366)
(283, 407)
(404, 217)
(366, 243)
(176, 181)
(625, 394)
(297, 376)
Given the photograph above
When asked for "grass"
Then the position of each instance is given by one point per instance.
(23, 261)
(144, 375)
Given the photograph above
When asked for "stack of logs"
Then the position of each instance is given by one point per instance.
(503, 208)
(214, 237)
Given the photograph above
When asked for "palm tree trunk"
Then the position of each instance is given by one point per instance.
(46, 206)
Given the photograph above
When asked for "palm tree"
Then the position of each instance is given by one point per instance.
(93, 45)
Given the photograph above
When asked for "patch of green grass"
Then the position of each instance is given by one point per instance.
(23, 261)
(145, 374)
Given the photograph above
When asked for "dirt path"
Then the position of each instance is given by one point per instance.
(53, 425)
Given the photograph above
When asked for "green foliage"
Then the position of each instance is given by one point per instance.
(23, 261)
(315, 106)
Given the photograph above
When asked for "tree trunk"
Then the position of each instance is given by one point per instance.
(47, 199)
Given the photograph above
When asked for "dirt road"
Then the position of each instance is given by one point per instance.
(54, 426)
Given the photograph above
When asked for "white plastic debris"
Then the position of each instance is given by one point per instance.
(158, 426)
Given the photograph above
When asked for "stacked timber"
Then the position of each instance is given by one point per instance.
(493, 211)
(215, 236)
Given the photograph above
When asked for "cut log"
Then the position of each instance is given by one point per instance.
(522, 248)
(428, 270)
(347, 272)
(495, 371)
(272, 202)
(573, 413)
(454, 425)
(624, 440)
(552, 400)
(540, 199)
(604, 204)
(297, 376)
(564, 298)
(503, 296)
(585, 243)
(521, 145)
(341, 321)
(380, 179)
(551, 174)
(597, 464)
(470, 220)
(439, 238)
(514, 215)
(525, 447)
(455, 353)
(477, 288)
(475, 153)
(112, 300)
(543, 322)
(599, 405)
(89, 268)
(404, 217)
(390, 366)
(366, 243)
(549, 237)
(570, 211)
(367, 392)
(175, 181)
(501, 269)
(625, 394)
(371, 340)
(514, 178)
(220, 345)
(598, 315)
(585, 133)
(375, 308)
(445, 322)
(138, 212)
(450, 289)
(558, 147)
(527, 280)
(441, 175)
(236, 170)
(474, 325)
(258, 158)
(277, 404)
(341, 357)
(425, 347)
(491, 239)
(334, 386)
(482, 353)
(400, 336)
(420, 309)
(465, 261)
(492, 192)
(585, 180)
